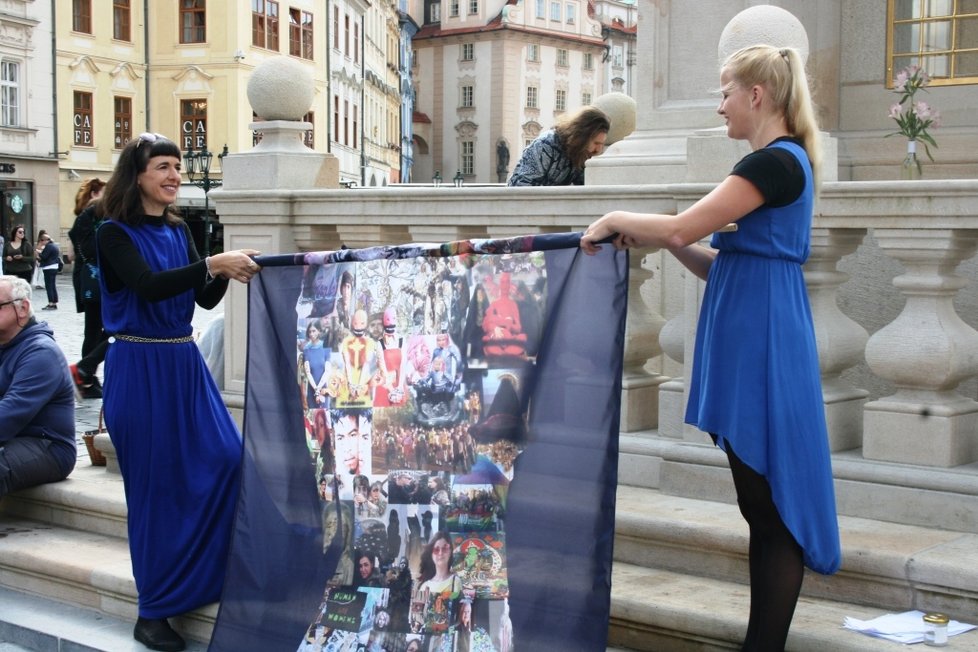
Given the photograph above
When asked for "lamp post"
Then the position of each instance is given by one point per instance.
(436, 180)
(458, 179)
(198, 165)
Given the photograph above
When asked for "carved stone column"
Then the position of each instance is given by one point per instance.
(640, 389)
(926, 352)
(841, 341)
(672, 393)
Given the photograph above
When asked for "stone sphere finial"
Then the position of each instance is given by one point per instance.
(763, 25)
(281, 88)
(621, 110)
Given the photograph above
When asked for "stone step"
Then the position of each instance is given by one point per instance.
(661, 611)
(939, 498)
(887, 565)
(89, 570)
(29, 623)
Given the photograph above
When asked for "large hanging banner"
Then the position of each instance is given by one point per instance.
(430, 450)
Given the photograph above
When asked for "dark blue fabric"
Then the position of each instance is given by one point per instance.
(559, 513)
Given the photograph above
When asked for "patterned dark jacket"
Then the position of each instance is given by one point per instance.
(544, 163)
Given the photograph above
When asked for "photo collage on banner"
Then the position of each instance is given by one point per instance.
(411, 373)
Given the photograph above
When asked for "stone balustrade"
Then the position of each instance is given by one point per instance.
(925, 353)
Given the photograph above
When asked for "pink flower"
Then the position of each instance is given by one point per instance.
(923, 110)
(895, 111)
(901, 79)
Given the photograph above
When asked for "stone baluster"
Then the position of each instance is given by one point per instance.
(640, 389)
(841, 341)
(926, 352)
(672, 393)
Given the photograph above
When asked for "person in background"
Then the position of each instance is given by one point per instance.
(18, 254)
(37, 403)
(49, 262)
(557, 157)
(179, 450)
(38, 279)
(88, 299)
(758, 391)
(2, 242)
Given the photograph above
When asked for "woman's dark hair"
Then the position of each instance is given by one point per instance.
(87, 188)
(122, 200)
(427, 570)
(576, 131)
(15, 229)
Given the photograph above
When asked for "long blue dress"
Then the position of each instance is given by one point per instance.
(755, 381)
(179, 450)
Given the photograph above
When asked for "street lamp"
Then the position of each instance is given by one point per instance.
(198, 165)
(458, 179)
(436, 180)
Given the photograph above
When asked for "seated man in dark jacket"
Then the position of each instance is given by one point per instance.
(37, 401)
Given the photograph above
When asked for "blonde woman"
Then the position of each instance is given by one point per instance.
(755, 384)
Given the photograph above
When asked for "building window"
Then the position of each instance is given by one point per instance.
(309, 137)
(541, 8)
(354, 115)
(533, 53)
(346, 35)
(473, 7)
(585, 98)
(468, 157)
(264, 24)
(193, 124)
(300, 33)
(436, 12)
(336, 118)
(468, 52)
(10, 94)
(616, 56)
(588, 61)
(466, 97)
(560, 100)
(569, 14)
(531, 97)
(356, 42)
(193, 21)
(346, 122)
(940, 36)
(121, 20)
(562, 58)
(83, 133)
(555, 11)
(123, 122)
(453, 8)
(81, 16)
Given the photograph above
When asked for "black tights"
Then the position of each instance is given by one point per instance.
(776, 563)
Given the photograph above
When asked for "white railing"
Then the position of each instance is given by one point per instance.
(922, 354)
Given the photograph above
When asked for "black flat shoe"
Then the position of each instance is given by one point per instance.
(158, 635)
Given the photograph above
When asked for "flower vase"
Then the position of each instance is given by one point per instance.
(911, 169)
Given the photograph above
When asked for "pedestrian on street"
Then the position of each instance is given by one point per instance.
(755, 384)
(38, 279)
(179, 451)
(18, 254)
(37, 403)
(88, 298)
(49, 262)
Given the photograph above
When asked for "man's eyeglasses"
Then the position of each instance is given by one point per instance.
(148, 137)
(7, 303)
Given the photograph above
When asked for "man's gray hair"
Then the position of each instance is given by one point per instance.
(19, 289)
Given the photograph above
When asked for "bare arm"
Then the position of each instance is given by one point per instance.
(728, 202)
(696, 258)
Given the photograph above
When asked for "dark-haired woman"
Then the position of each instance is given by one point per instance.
(179, 450)
(557, 157)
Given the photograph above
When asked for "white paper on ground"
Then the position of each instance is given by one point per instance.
(906, 627)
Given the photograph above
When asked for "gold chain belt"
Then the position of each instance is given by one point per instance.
(153, 340)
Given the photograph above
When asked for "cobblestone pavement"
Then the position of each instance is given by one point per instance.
(69, 329)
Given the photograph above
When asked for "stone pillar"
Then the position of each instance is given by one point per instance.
(840, 340)
(279, 162)
(672, 393)
(926, 352)
(640, 389)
